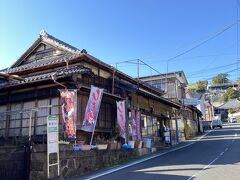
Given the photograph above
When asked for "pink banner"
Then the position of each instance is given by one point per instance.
(121, 118)
(69, 112)
(134, 124)
(138, 126)
(92, 109)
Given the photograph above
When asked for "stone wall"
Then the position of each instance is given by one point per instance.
(73, 163)
(12, 163)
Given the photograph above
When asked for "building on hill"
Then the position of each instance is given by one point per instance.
(30, 87)
(218, 88)
(173, 84)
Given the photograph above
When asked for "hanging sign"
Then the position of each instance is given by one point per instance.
(92, 109)
(121, 118)
(69, 112)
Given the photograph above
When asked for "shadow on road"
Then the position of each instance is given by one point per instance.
(183, 163)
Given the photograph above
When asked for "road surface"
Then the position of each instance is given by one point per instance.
(215, 156)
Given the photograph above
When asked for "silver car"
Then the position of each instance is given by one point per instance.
(216, 123)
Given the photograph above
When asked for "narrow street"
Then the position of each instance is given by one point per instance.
(215, 156)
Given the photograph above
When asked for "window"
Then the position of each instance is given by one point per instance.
(15, 120)
(3, 118)
(149, 125)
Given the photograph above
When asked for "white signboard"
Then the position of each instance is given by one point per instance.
(52, 134)
(52, 140)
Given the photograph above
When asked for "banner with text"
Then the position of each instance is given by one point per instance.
(92, 109)
(121, 118)
(134, 124)
(138, 126)
(69, 112)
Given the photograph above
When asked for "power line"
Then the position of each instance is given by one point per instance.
(227, 72)
(205, 41)
(210, 69)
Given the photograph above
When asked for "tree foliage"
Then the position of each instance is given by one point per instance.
(198, 87)
(230, 94)
(220, 79)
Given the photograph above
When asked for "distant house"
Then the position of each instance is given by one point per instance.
(173, 84)
(222, 87)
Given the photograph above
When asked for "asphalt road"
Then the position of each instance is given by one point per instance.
(215, 156)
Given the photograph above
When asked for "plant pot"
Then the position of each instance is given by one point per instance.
(63, 142)
(131, 143)
(81, 142)
(119, 145)
(139, 145)
(102, 146)
(85, 147)
(112, 145)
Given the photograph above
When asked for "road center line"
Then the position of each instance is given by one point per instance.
(205, 167)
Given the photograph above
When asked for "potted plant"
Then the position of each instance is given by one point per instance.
(115, 140)
(112, 145)
(131, 142)
(101, 143)
(138, 144)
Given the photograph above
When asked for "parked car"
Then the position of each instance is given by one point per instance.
(216, 123)
(232, 120)
(206, 125)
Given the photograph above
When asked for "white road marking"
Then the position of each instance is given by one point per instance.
(144, 159)
(205, 167)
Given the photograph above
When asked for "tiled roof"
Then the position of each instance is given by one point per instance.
(231, 104)
(48, 39)
(42, 62)
(59, 73)
(56, 42)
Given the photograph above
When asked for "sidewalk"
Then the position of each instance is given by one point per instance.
(160, 152)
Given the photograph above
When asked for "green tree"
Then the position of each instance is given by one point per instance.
(220, 79)
(202, 86)
(198, 87)
(230, 94)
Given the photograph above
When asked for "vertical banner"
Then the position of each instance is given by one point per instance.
(121, 118)
(134, 125)
(138, 119)
(69, 112)
(92, 109)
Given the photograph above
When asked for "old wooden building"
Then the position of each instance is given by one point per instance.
(29, 88)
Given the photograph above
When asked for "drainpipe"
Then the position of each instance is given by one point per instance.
(66, 61)
(177, 136)
(113, 80)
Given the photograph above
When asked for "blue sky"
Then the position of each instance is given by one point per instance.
(115, 31)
